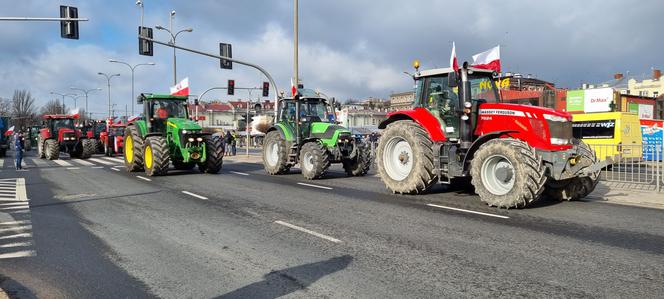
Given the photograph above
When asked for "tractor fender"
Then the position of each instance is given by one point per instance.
(283, 131)
(422, 117)
(482, 140)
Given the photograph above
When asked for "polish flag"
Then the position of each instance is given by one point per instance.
(76, 113)
(293, 87)
(453, 58)
(10, 131)
(181, 89)
(489, 60)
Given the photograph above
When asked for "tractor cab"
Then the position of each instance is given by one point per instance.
(159, 108)
(313, 109)
(61, 127)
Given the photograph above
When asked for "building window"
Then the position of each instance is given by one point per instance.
(655, 94)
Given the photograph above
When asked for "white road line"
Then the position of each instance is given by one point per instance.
(14, 208)
(100, 161)
(62, 163)
(2, 163)
(82, 162)
(21, 193)
(73, 168)
(315, 186)
(116, 160)
(144, 178)
(115, 169)
(22, 203)
(97, 167)
(195, 195)
(304, 230)
(24, 253)
(39, 162)
(16, 229)
(467, 211)
(15, 222)
(16, 244)
(240, 173)
(23, 235)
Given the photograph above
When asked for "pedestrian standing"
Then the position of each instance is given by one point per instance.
(234, 142)
(228, 138)
(18, 147)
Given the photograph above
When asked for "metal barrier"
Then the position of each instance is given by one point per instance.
(633, 164)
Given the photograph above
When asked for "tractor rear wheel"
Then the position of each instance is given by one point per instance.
(275, 154)
(133, 154)
(405, 158)
(314, 160)
(156, 156)
(51, 149)
(214, 155)
(89, 148)
(359, 165)
(507, 173)
(40, 148)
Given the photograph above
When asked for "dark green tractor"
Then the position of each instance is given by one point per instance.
(306, 132)
(165, 134)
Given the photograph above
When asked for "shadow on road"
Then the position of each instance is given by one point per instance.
(283, 282)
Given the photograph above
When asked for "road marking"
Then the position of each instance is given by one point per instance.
(62, 163)
(304, 230)
(15, 208)
(97, 167)
(23, 203)
(240, 173)
(73, 168)
(18, 228)
(38, 162)
(82, 162)
(467, 211)
(16, 244)
(2, 163)
(315, 186)
(115, 169)
(15, 222)
(23, 235)
(100, 161)
(195, 195)
(24, 253)
(116, 160)
(144, 178)
(21, 193)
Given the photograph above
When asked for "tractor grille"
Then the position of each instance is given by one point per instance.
(560, 130)
(345, 136)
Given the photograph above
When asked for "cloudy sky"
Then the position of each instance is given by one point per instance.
(348, 48)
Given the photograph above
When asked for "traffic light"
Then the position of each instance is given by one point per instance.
(145, 47)
(231, 87)
(226, 50)
(69, 29)
(266, 89)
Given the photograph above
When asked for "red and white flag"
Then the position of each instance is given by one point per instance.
(454, 64)
(293, 87)
(76, 113)
(181, 89)
(10, 131)
(489, 60)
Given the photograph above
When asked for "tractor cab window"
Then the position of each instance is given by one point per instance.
(313, 110)
(484, 88)
(442, 101)
(63, 123)
(287, 111)
(164, 109)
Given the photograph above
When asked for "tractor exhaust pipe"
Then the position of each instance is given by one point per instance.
(465, 133)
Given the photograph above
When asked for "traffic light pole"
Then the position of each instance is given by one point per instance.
(42, 19)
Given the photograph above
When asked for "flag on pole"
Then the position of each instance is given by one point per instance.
(76, 113)
(489, 59)
(10, 131)
(454, 64)
(293, 87)
(181, 89)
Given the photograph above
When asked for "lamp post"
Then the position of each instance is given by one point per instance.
(108, 81)
(63, 98)
(173, 37)
(139, 3)
(132, 68)
(85, 91)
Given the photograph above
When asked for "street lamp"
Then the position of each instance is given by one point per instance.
(132, 68)
(63, 99)
(85, 91)
(108, 80)
(173, 37)
(139, 3)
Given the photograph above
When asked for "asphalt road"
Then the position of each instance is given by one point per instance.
(97, 231)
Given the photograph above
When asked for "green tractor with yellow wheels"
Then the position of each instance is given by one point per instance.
(165, 134)
(306, 133)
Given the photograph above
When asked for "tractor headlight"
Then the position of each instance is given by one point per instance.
(199, 139)
(552, 117)
(191, 139)
(468, 105)
(185, 131)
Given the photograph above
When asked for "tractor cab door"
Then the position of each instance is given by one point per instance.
(442, 101)
(287, 113)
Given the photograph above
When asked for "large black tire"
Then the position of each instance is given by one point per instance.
(578, 187)
(359, 165)
(214, 155)
(51, 149)
(314, 160)
(99, 146)
(156, 156)
(89, 148)
(133, 156)
(405, 158)
(41, 153)
(275, 154)
(514, 174)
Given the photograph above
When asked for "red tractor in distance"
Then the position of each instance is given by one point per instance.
(59, 134)
(112, 138)
(459, 128)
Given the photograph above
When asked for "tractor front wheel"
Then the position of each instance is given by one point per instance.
(314, 160)
(156, 156)
(133, 153)
(275, 154)
(578, 187)
(359, 165)
(51, 149)
(40, 148)
(405, 158)
(507, 173)
(89, 148)
(214, 155)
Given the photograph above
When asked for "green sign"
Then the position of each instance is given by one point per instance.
(634, 107)
(575, 100)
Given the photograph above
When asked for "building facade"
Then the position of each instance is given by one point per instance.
(402, 100)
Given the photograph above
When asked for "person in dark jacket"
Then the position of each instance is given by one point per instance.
(228, 138)
(19, 143)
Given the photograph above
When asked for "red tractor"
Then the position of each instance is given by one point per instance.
(59, 134)
(112, 138)
(459, 128)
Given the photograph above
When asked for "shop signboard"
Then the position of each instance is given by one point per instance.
(652, 132)
(597, 100)
(575, 100)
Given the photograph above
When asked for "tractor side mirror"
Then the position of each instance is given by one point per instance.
(452, 80)
(139, 100)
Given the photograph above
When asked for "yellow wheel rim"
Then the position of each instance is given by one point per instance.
(129, 149)
(148, 156)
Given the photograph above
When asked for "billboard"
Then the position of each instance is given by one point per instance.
(597, 100)
(575, 100)
(646, 111)
(652, 133)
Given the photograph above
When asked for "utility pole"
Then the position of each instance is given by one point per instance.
(108, 80)
(295, 72)
(85, 91)
(132, 68)
(172, 42)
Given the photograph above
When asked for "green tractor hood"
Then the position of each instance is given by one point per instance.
(183, 124)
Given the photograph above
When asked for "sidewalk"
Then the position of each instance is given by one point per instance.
(628, 194)
(252, 158)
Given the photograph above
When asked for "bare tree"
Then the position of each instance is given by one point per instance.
(23, 108)
(5, 107)
(51, 107)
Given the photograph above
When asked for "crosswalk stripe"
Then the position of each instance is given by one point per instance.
(62, 163)
(38, 162)
(82, 162)
(100, 161)
(114, 159)
(23, 253)
(2, 163)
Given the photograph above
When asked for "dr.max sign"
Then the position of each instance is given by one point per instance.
(598, 100)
